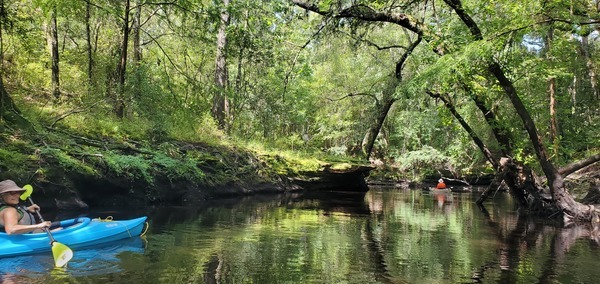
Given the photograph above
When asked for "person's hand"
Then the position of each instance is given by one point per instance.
(45, 224)
(33, 208)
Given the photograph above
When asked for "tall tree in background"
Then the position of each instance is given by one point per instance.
(52, 35)
(220, 107)
(137, 49)
(121, 73)
(554, 135)
(119, 100)
(88, 41)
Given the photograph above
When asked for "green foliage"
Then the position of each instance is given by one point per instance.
(131, 167)
(203, 128)
(290, 162)
(109, 126)
(449, 71)
(67, 162)
(178, 168)
(13, 164)
(421, 163)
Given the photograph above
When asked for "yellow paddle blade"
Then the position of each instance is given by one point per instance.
(62, 254)
(28, 190)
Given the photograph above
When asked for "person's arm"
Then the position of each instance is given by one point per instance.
(12, 226)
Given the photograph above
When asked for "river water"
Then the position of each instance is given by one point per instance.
(387, 235)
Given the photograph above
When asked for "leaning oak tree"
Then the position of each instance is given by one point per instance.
(452, 32)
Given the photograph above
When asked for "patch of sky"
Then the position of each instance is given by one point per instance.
(533, 43)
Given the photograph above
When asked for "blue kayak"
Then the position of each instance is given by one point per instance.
(75, 233)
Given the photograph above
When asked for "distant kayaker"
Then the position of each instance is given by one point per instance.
(15, 218)
(441, 184)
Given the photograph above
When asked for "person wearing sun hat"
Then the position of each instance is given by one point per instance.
(14, 218)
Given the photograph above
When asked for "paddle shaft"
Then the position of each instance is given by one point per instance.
(52, 240)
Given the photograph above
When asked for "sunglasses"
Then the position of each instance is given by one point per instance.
(13, 193)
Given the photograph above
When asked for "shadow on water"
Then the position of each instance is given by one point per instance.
(334, 202)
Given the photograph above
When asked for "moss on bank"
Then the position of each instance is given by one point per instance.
(69, 165)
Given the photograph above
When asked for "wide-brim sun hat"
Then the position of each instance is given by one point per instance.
(9, 186)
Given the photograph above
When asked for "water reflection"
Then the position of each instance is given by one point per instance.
(333, 202)
(96, 261)
(386, 235)
(528, 235)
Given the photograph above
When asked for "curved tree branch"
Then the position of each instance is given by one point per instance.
(575, 166)
(450, 106)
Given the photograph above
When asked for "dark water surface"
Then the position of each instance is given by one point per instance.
(384, 236)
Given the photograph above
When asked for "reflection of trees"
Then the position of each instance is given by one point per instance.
(212, 270)
(304, 251)
(208, 212)
(526, 235)
(376, 250)
(562, 242)
(522, 237)
(420, 242)
(354, 204)
(382, 237)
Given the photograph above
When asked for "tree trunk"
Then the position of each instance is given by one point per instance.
(585, 50)
(553, 118)
(519, 179)
(220, 107)
(388, 99)
(573, 94)
(570, 168)
(53, 42)
(571, 209)
(382, 112)
(549, 40)
(9, 111)
(122, 67)
(240, 82)
(88, 40)
(501, 134)
(137, 51)
(482, 147)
